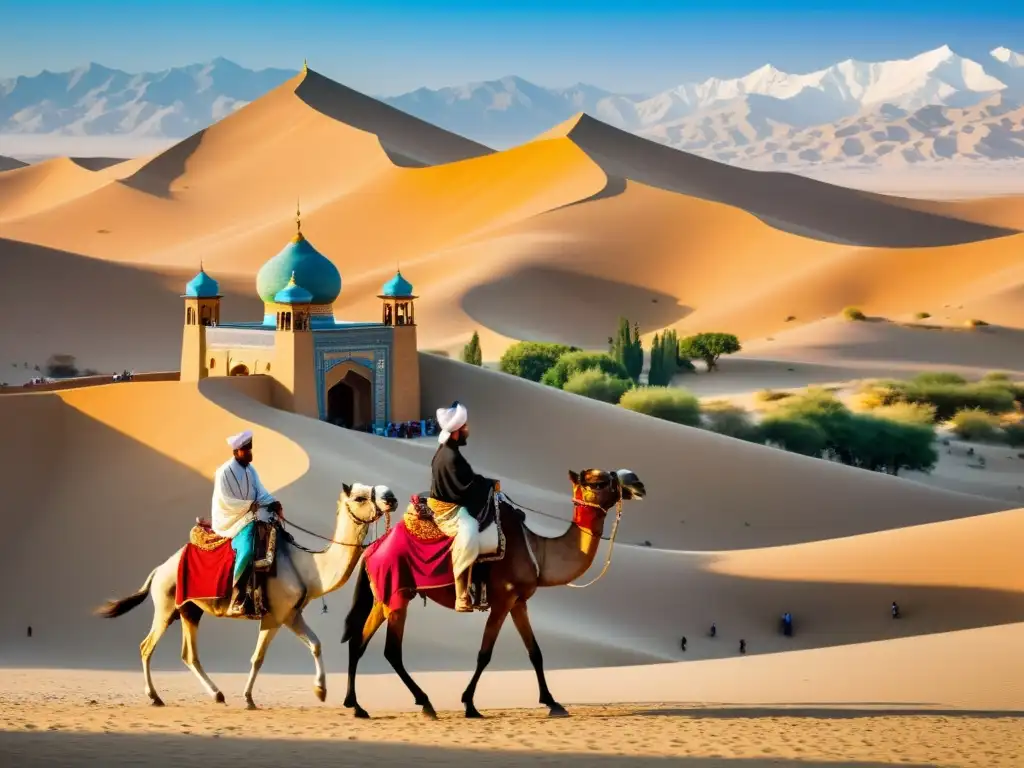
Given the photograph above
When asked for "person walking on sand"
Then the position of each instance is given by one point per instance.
(895, 610)
(714, 629)
(682, 644)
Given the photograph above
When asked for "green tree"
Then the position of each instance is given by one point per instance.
(576, 362)
(664, 359)
(656, 373)
(794, 434)
(471, 353)
(708, 347)
(730, 420)
(531, 359)
(598, 385)
(668, 403)
(625, 347)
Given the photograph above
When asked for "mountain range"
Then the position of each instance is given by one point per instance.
(935, 107)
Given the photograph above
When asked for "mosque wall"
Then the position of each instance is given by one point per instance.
(405, 376)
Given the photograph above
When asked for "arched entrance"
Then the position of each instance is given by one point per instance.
(349, 401)
(239, 370)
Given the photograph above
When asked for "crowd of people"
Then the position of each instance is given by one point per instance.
(406, 429)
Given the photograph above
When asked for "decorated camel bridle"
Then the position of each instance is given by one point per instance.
(386, 514)
(584, 519)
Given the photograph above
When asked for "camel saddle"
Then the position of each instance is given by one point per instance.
(263, 565)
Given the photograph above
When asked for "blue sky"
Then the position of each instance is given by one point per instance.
(387, 47)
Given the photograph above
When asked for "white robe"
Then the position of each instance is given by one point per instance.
(235, 488)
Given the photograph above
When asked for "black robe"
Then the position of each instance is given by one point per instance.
(452, 480)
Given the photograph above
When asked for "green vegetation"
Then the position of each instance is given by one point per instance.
(938, 377)
(598, 385)
(996, 376)
(708, 347)
(626, 348)
(796, 435)
(947, 398)
(1013, 433)
(665, 362)
(975, 323)
(771, 396)
(854, 314)
(471, 353)
(572, 363)
(668, 403)
(730, 420)
(907, 413)
(921, 315)
(976, 425)
(531, 359)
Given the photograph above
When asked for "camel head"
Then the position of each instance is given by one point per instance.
(366, 504)
(605, 489)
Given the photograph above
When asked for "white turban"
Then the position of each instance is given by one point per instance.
(240, 440)
(451, 419)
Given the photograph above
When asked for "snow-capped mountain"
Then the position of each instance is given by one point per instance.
(935, 106)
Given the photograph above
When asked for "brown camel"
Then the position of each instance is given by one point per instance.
(302, 576)
(530, 561)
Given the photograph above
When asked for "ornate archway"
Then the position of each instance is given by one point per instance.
(239, 370)
(350, 401)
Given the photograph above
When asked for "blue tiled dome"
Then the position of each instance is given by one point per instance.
(202, 286)
(293, 293)
(397, 287)
(311, 270)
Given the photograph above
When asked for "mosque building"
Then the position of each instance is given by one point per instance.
(355, 374)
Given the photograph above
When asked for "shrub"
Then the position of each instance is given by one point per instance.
(668, 403)
(531, 359)
(665, 362)
(996, 376)
(598, 386)
(907, 413)
(771, 396)
(471, 353)
(730, 420)
(794, 434)
(1013, 433)
(975, 323)
(708, 347)
(572, 363)
(921, 315)
(976, 425)
(993, 397)
(852, 313)
(938, 377)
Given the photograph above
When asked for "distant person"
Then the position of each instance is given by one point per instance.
(30, 630)
(787, 624)
(895, 610)
(743, 646)
(714, 629)
(682, 644)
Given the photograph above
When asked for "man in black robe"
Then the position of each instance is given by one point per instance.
(459, 498)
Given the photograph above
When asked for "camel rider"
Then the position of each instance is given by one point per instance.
(239, 499)
(458, 496)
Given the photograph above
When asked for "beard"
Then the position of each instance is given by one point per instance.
(461, 440)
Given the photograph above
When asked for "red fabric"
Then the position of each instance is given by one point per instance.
(399, 565)
(205, 574)
(590, 519)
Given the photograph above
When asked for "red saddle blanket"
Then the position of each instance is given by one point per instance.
(399, 565)
(205, 568)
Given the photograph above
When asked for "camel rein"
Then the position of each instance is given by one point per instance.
(610, 539)
(358, 521)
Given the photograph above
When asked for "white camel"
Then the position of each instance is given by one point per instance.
(301, 577)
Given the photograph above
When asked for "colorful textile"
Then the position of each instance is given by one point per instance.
(399, 565)
(244, 546)
(204, 574)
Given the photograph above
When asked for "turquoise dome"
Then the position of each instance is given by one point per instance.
(397, 287)
(202, 286)
(293, 294)
(311, 269)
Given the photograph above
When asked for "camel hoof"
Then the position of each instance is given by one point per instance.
(557, 710)
(360, 713)
(250, 704)
(473, 713)
(320, 692)
(219, 698)
(156, 701)
(428, 711)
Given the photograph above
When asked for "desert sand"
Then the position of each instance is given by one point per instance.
(551, 240)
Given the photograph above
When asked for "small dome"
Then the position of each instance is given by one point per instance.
(397, 287)
(202, 286)
(310, 269)
(293, 293)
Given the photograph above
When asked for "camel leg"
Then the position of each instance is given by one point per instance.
(356, 649)
(522, 621)
(494, 623)
(305, 633)
(268, 629)
(190, 650)
(163, 616)
(393, 653)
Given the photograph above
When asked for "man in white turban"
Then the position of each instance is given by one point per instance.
(458, 497)
(239, 499)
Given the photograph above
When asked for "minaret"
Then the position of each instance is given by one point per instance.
(399, 314)
(294, 361)
(202, 309)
